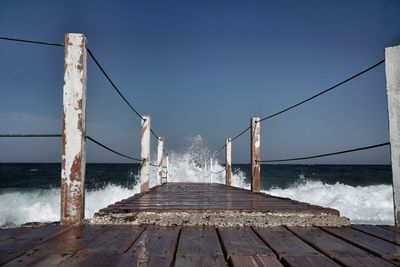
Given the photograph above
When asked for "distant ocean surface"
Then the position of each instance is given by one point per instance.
(29, 192)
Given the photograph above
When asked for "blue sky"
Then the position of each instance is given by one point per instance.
(203, 67)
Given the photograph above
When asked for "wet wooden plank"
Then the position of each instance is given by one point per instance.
(336, 248)
(117, 238)
(199, 246)
(243, 247)
(391, 228)
(18, 245)
(197, 197)
(155, 247)
(254, 261)
(386, 234)
(291, 249)
(372, 244)
(109, 247)
(12, 232)
(60, 248)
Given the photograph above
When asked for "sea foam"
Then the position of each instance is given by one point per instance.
(368, 204)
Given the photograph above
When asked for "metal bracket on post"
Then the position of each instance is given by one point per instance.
(228, 162)
(255, 154)
(392, 68)
(160, 156)
(145, 155)
(73, 161)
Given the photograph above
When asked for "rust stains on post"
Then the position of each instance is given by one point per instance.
(392, 67)
(145, 154)
(73, 160)
(160, 157)
(228, 162)
(255, 154)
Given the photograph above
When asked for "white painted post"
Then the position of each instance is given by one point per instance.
(73, 161)
(167, 174)
(211, 170)
(392, 67)
(255, 154)
(145, 155)
(228, 162)
(205, 171)
(160, 156)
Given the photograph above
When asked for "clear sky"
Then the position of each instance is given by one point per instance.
(203, 67)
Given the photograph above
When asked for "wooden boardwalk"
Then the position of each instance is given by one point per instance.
(215, 204)
(133, 245)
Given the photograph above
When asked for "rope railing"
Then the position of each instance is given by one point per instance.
(30, 135)
(326, 155)
(117, 90)
(13, 39)
(59, 135)
(303, 102)
(30, 41)
(323, 92)
(112, 150)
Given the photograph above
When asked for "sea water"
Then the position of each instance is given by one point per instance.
(30, 192)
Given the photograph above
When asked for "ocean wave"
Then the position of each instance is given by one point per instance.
(43, 205)
(361, 204)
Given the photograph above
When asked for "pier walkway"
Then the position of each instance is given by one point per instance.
(141, 245)
(192, 204)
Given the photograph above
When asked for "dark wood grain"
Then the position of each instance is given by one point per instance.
(155, 247)
(386, 234)
(336, 248)
(61, 247)
(199, 246)
(374, 245)
(292, 250)
(242, 241)
(210, 197)
(18, 245)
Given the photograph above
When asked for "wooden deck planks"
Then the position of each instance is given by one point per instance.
(374, 245)
(19, 244)
(336, 248)
(155, 247)
(107, 248)
(60, 248)
(292, 250)
(216, 197)
(243, 247)
(129, 245)
(383, 233)
(199, 246)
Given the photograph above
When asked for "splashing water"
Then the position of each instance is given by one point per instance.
(362, 204)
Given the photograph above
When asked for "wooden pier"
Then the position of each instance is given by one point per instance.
(191, 204)
(133, 245)
(202, 242)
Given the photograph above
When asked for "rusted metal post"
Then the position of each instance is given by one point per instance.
(255, 154)
(160, 156)
(228, 161)
(392, 67)
(145, 154)
(73, 160)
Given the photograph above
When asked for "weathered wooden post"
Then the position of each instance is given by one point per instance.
(145, 154)
(228, 162)
(160, 156)
(392, 67)
(255, 154)
(73, 160)
(211, 170)
(167, 164)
